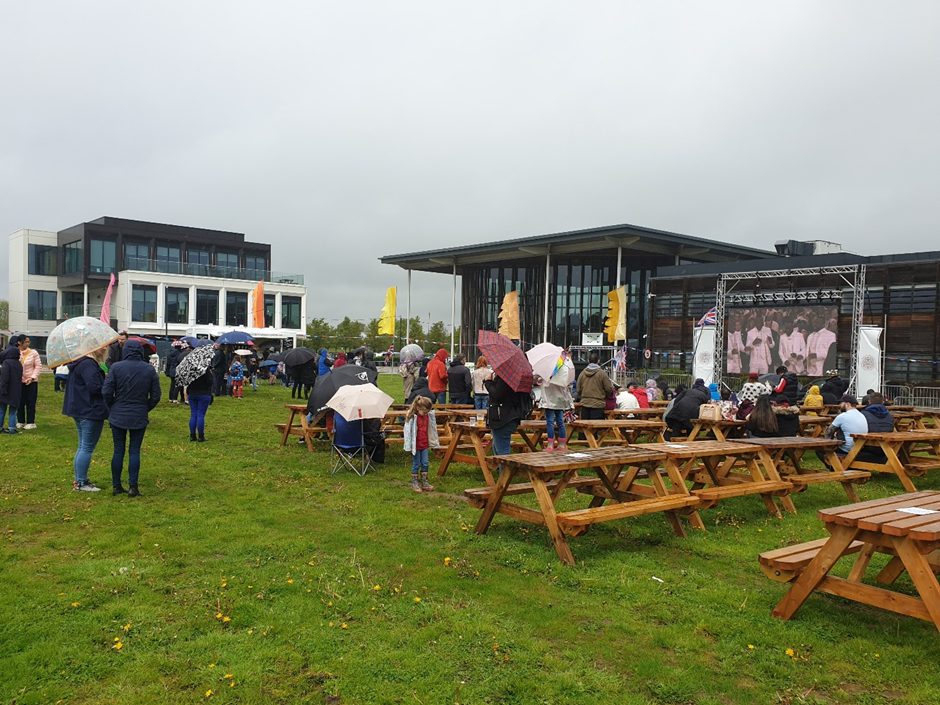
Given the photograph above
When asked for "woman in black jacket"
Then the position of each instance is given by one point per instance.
(131, 390)
(507, 408)
(11, 385)
(685, 408)
(84, 403)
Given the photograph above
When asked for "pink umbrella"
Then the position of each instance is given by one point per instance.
(507, 360)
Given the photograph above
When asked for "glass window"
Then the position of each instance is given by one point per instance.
(236, 308)
(256, 267)
(144, 304)
(42, 305)
(198, 262)
(73, 304)
(42, 260)
(168, 259)
(103, 256)
(137, 256)
(269, 309)
(290, 312)
(177, 305)
(227, 264)
(207, 307)
(73, 257)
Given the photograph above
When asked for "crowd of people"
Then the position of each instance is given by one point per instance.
(119, 384)
(802, 339)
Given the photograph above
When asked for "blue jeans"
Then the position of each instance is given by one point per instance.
(420, 461)
(502, 438)
(3, 411)
(553, 417)
(89, 431)
(440, 397)
(198, 406)
(133, 462)
(481, 401)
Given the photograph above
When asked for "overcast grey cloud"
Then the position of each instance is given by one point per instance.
(340, 132)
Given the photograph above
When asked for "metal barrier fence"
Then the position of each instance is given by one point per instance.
(925, 397)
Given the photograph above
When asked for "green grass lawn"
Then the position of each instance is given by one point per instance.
(246, 573)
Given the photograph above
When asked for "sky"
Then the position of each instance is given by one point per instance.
(341, 132)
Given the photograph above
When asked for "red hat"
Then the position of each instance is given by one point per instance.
(752, 377)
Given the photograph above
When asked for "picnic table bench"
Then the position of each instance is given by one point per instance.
(618, 479)
(787, 453)
(303, 429)
(906, 527)
(814, 426)
(600, 432)
(720, 429)
(907, 454)
(711, 466)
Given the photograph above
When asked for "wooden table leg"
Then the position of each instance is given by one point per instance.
(921, 575)
(814, 573)
(494, 500)
(894, 462)
(679, 487)
(449, 453)
(771, 470)
(696, 429)
(305, 429)
(591, 438)
(547, 505)
(287, 428)
(719, 432)
(861, 563)
(482, 459)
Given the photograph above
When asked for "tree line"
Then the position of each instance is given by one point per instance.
(349, 334)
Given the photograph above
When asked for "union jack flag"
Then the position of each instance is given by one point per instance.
(709, 319)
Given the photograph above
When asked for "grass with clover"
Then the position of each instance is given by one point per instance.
(248, 574)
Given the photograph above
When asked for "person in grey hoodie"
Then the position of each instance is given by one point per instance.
(131, 390)
(594, 386)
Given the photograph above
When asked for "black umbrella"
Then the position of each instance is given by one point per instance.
(298, 356)
(327, 385)
(194, 365)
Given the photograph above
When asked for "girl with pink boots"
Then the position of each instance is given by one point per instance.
(556, 399)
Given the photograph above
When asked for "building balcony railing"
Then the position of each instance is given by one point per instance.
(140, 264)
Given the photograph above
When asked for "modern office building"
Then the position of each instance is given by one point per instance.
(170, 280)
(563, 278)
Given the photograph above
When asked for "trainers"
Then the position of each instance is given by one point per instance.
(88, 487)
(11, 431)
(117, 490)
(20, 425)
(29, 426)
(415, 485)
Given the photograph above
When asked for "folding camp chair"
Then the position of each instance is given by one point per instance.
(348, 449)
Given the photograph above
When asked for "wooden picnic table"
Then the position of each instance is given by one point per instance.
(467, 436)
(627, 476)
(600, 432)
(721, 429)
(659, 403)
(814, 426)
(652, 413)
(907, 454)
(304, 429)
(907, 527)
(908, 420)
(787, 453)
(711, 467)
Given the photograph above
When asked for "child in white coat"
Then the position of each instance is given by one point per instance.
(420, 437)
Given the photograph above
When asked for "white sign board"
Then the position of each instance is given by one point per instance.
(592, 339)
(703, 345)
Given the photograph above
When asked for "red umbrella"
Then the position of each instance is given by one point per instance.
(148, 345)
(507, 360)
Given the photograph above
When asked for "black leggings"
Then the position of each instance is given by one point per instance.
(27, 411)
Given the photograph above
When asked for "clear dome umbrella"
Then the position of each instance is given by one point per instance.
(75, 338)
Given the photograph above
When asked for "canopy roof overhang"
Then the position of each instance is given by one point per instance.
(634, 241)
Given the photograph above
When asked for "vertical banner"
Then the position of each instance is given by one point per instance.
(509, 316)
(703, 353)
(257, 306)
(868, 362)
(106, 304)
(387, 317)
(615, 327)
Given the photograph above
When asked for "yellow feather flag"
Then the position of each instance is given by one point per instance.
(615, 327)
(387, 317)
(509, 316)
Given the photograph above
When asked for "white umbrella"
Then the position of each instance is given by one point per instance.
(75, 338)
(244, 352)
(549, 363)
(360, 401)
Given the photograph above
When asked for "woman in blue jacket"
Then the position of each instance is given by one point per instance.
(84, 403)
(131, 390)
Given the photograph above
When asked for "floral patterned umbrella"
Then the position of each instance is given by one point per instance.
(75, 338)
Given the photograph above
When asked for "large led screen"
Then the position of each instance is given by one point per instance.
(802, 338)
